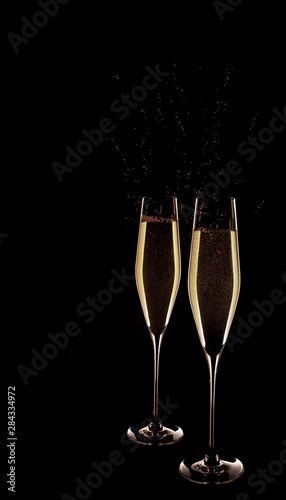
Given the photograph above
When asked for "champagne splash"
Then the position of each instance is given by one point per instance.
(178, 136)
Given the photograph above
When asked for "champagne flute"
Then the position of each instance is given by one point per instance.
(158, 272)
(213, 284)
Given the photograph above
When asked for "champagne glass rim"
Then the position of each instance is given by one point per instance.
(159, 197)
(216, 198)
(163, 206)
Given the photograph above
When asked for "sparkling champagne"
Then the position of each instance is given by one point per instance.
(158, 270)
(214, 282)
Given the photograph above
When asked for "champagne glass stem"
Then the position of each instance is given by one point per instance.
(156, 424)
(213, 364)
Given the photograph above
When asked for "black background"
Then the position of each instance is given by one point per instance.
(64, 239)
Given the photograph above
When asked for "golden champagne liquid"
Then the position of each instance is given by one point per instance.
(214, 283)
(158, 270)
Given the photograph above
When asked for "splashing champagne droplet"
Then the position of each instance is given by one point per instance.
(176, 138)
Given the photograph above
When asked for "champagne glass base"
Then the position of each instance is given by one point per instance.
(221, 473)
(161, 437)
